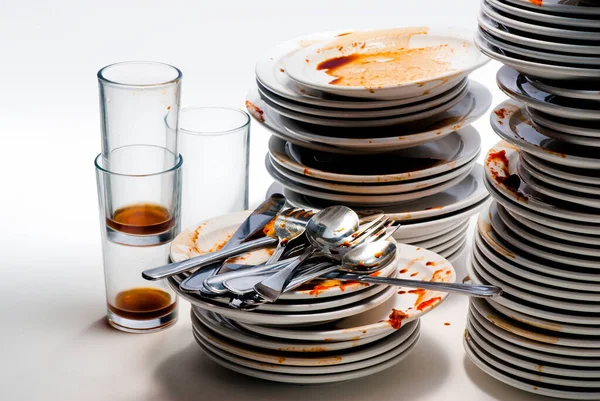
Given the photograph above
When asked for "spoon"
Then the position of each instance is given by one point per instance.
(366, 258)
(327, 231)
(289, 225)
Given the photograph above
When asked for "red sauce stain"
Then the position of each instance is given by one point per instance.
(421, 294)
(403, 271)
(414, 274)
(281, 70)
(448, 272)
(428, 303)
(434, 208)
(344, 34)
(168, 107)
(501, 114)
(430, 263)
(537, 3)
(337, 62)
(502, 176)
(219, 245)
(328, 340)
(438, 275)
(255, 111)
(396, 317)
(375, 274)
(378, 254)
(307, 172)
(402, 292)
(269, 228)
(447, 324)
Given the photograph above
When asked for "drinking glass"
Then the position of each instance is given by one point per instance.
(214, 142)
(139, 198)
(136, 99)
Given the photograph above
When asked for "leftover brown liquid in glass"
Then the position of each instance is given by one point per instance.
(142, 304)
(141, 219)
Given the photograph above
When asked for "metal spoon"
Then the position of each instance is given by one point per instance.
(289, 224)
(326, 231)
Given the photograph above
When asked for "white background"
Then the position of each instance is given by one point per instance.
(54, 344)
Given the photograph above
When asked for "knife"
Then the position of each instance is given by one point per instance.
(265, 212)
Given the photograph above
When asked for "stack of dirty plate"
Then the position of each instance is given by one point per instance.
(325, 331)
(540, 240)
(378, 120)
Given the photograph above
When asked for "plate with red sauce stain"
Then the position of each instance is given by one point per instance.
(570, 7)
(538, 13)
(211, 235)
(406, 305)
(271, 75)
(502, 177)
(278, 371)
(386, 64)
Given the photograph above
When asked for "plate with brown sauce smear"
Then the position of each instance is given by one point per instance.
(387, 64)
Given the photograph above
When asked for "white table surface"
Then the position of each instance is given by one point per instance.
(54, 342)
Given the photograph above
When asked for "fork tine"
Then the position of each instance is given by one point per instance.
(370, 230)
(375, 234)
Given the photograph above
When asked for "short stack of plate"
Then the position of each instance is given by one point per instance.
(406, 148)
(323, 332)
(540, 239)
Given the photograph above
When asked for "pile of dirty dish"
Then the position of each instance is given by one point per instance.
(323, 331)
(378, 120)
(540, 239)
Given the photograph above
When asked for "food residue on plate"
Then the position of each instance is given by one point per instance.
(430, 302)
(396, 317)
(255, 111)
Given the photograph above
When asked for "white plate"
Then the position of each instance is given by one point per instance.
(559, 235)
(528, 267)
(490, 216)
(583, 176)
(453, 46)
(518, 87)
(546, 324)
(543, 17)
(451, 245)
(307, 358)
(466, 193)
(363, 200)
(576, 343)
(214, 232)
(575, 90)
(502, 161)
(539, 306)
(415, 107)
(524, 374)
(311, 370)
(383, 188)
(270, 73)
(569, 7)
(530, 386)
(308, 379)
(522, 346)
(536, 28)
(562, 136)
(531, 366)
(583, 199)
(434, 158)
(377, 321)
(417, 241)
(516, 279)
(536, 69)
(401, 117)
(229, 329)
(472, 106)
(283, 319)
(572, 127)
(543, 43)
(442, 238)
(536, 54)
(516, 226)
(552, 180)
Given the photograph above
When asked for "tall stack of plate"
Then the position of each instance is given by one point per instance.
(322, 332)
(540, 239)
(405, 148)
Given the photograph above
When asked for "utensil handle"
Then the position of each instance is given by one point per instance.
(214, 282)
(171, 269)
(475, 290)
(271, 288)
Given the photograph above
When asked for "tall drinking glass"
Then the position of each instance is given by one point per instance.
(139, 199)
(136, 98)
(214, 142)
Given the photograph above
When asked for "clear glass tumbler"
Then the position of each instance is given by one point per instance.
(139, 200)
(136, 99)
(215, 143)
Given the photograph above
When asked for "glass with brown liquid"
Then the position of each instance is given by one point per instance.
(136, 236)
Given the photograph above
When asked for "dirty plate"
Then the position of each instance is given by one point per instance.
(435, 57)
